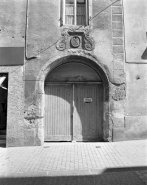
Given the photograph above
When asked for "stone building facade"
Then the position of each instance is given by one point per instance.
(73, 82)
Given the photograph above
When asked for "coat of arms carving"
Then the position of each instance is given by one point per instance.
(75, 38)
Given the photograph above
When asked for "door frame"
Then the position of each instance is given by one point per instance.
(95, 64)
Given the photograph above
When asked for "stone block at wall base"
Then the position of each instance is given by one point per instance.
(118, 134)
(11, 141)
(39, 136)
(29, 137)
(118, 122)
(117, 107)
(133, 135)
(136, 127)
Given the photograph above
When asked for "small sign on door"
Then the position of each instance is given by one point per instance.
(87, 100)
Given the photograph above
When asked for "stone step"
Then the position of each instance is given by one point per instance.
(2, 142)
(2, 137)
(2, 132)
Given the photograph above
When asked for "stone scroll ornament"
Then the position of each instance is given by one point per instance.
(62, 43)
(87, 40)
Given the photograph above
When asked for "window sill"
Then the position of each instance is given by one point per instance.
(75, 27)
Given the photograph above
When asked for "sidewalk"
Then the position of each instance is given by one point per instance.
(118, 161)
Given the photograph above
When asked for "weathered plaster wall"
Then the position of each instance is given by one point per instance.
(12, 35)
(42, 34)
(12, 23)
(125, 112)
(101, 32)
(44, 31)
(42, 22)
(135, 19)
(15, 120)
(42, 37)
(135, 13)
(43, 25)
(136, 101)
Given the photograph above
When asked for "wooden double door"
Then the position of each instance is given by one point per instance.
(73, 112)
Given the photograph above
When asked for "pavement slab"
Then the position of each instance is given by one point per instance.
(88, 163)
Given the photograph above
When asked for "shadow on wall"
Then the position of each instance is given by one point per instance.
(109, 176)
(144, 55)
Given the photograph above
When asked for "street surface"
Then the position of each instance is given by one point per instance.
(84, 163)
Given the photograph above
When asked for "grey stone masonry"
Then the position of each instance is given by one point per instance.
(117, 25)
(117, 17)
(118, 36)
(117, 41)
(118, 3)
(117, 33)
(118, 70)
(117, 10)
(118, 49)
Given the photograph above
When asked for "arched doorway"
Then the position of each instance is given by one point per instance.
(73, 104)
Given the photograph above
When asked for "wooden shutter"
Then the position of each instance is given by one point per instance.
(69, 13)
(81, 11)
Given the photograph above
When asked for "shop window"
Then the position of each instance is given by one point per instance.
(75, 12)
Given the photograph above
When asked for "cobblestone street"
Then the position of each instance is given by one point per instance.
(75, 163)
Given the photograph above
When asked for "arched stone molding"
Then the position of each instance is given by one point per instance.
(85, 59)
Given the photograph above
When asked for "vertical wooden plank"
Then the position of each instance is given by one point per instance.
(88, 115)
(57, 126)
(74, 121)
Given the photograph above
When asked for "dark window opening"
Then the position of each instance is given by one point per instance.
(3, 100)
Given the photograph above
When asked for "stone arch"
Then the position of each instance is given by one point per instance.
(91, 62)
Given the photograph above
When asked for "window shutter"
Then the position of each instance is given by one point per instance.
(81, 14)
(69, 11)
(61, 12)
(69, 14)
(87, 12)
